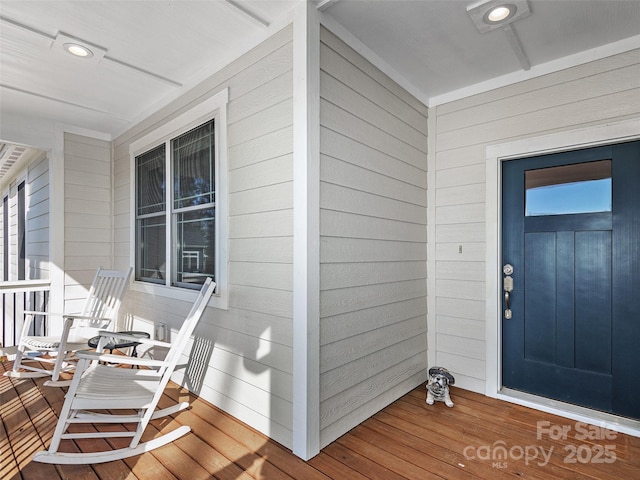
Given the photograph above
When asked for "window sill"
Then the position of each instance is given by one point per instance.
(218, 300)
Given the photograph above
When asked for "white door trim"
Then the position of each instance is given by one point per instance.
(591, 136)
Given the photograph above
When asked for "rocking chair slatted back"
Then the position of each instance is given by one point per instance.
(192, 319)
(105, 294)
(103, 303)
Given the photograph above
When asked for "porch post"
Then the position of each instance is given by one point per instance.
(56, 226)
(306, 222)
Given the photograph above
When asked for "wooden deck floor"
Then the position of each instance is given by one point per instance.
(480, 438)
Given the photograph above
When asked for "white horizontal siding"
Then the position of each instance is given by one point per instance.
(470, 251)
(261, 123)
(372, 239)
(591, 73)
(247, 349)
(87, 214)
(451, 270)
(268, 172)
(370, 204)
(256, 150)
(76, 264)
(263, 275)
(359, 129)
(461, 194)
(339, 146)
(266, 198)
(336, 249)
(86, 220)
(355, 353)
(461, 346)
(340, 94)
(466, 289)
(465, 232)
(358, 178)
(344, 275)
(344, 300)
(474, 329)
(121, 207)
(389, 100)
(264, 250)
(276, 223)
(337, 224)
(591, 94)
(382, 388)
(361, 322)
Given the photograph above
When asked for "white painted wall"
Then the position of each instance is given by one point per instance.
(373, 218)
(87, 214)
(588, 95)
(242, 360)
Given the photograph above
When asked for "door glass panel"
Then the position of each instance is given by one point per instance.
(578, 188)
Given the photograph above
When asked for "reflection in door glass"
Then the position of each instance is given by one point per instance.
(569, 189)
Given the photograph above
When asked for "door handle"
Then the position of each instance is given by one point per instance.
(507, 286)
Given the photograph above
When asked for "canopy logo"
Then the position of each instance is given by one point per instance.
(561, 436)
(499, 454)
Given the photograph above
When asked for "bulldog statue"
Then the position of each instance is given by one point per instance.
(438, 386)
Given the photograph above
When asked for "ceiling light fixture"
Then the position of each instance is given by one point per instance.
(78, 50)
(500, 13)
(67, 45)
(492, 14)
(488, 15)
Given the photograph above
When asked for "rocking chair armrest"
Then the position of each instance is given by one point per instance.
(123, 359)
(133, 338)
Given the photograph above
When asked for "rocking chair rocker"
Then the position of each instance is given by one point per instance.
(100, 312)
(97, 387)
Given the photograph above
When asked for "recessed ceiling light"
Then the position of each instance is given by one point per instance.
(500, 13)
(489, 15)
(66, 45)
(78, 50)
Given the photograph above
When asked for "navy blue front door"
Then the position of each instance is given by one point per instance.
(571, 231)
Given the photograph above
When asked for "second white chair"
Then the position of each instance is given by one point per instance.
(100, 312)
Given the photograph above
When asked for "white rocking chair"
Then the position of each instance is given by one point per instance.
(97, 387)
(100, 312)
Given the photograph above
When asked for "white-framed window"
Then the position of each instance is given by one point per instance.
(14, 231)
(179, 204)
(5, 238)
(21, 244)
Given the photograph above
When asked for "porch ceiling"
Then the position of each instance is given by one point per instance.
(150, 52)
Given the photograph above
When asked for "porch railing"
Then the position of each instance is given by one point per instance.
(15, 298)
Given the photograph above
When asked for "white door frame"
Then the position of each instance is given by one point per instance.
(592, 136)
